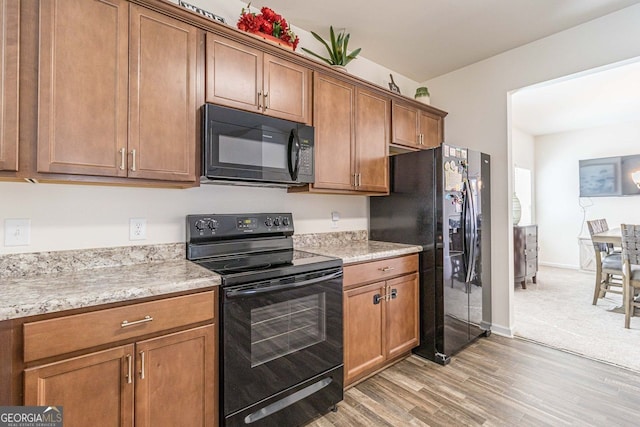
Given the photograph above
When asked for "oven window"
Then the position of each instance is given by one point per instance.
(286, 327)
(252, 152)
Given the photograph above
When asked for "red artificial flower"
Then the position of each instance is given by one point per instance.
(266, 27)
(268, 14)
(267, 22)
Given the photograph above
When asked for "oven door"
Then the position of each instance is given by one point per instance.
(279, 333)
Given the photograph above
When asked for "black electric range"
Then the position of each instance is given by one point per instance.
(281, 350)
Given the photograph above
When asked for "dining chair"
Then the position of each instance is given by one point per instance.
(631, 269)
(608, 263)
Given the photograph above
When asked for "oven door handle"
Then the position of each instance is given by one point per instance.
(236, 293)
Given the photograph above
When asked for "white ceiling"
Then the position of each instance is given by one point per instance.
(423, 39)
(594, 99)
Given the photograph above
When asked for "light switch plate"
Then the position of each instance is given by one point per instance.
(17, 232)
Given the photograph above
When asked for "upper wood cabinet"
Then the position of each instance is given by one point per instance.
(9, 28)
(244, 77)
(352, 135)
(162, 97)
(333, 118)
(119, 100)
(415, 128)
(372, 139)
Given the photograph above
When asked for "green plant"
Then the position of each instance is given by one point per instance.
(338, 54)
(421, 91)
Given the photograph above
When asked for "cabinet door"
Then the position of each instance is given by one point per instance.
(287, 90)
(9, 28)
(405, 128)
(176, 379)
(162, 97)
(430, 129)
(92, 389)
(82, 88)
(402, 315)
(233, 74)
(364, 322)
(372, 141)
(333, 119)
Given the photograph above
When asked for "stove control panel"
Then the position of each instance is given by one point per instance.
(212, 227)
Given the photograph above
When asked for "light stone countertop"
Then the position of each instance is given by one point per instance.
(48, 293)
(97, 281)
(360, 251)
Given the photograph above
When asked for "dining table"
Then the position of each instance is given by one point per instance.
(613, 236)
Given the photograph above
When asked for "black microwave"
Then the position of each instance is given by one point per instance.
(251, 147)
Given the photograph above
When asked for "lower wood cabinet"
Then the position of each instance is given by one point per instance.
(381, 314)
(166, 380)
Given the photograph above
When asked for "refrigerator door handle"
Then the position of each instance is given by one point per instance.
(469, 232)
(474, 235)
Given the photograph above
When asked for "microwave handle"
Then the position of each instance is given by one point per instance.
(294, 144)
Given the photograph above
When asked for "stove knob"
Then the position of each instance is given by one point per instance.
(212, 224)
(268, 222)
(285, 221)
(200, 224)
(276, 221)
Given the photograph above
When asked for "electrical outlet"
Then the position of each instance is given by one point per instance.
(17, 232)
(137, 229)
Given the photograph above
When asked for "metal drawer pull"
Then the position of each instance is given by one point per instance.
(128, 356)
(259, 100)
(385, 269)
(266, 100)
(126, 323)
(142, 365)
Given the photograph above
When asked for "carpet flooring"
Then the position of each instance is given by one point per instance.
(558, 312)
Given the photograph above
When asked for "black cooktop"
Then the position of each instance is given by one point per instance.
(247, 248)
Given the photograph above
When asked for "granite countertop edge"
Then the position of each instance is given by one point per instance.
(51, 293)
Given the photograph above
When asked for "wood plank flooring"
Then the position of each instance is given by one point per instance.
(496, 381)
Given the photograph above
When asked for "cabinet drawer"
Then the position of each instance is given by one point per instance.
(532, 266)
(379, 270)
(531, 241)
(531, 253)
(62, 335)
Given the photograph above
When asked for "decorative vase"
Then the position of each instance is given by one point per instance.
(340, 68)
(424, 99)
(516, 209)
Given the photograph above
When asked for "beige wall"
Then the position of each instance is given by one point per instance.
(477, 98)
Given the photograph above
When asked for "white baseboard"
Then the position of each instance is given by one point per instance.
(553, 264)
(501, 330)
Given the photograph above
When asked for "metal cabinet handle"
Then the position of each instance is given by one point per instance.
(385, 269)
(123, 153)
(259, 99)
(266, 100)
(393, 294)
(129, 361)
(359, 180)
(377, 298)
(126, 323)
(133, 160)
(142, 365)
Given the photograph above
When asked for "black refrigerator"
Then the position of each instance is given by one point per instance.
(440, 199)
